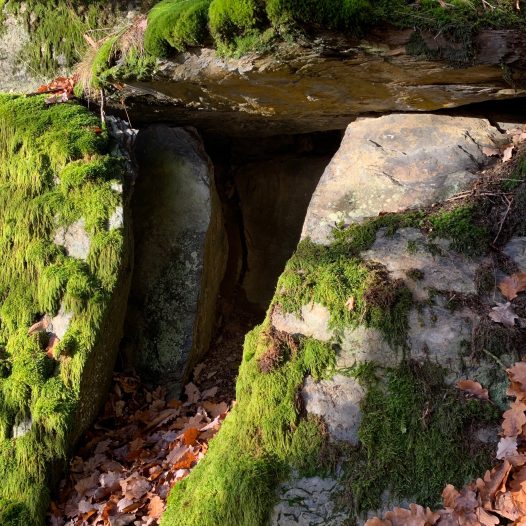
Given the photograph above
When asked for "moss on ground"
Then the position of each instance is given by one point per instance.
(417, 436)
(175, 25)
(262, 438)
(55, 171)
(230, 20)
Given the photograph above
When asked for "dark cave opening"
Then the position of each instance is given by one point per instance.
(239, 237)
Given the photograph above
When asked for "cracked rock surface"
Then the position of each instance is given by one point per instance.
(396, 162)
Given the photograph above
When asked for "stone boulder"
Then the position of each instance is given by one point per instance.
(396, 162)
(179, 255)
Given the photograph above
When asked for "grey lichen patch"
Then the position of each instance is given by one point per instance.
(166, 337)
(439, 336)
(75, 239)
(516, 250)
(337, 401)
(308, 501)
(364, 344)
(312, 322)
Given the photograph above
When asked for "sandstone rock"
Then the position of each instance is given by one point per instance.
(337, 401)
(179, 256)
(396, 162)
(74, 239)
(409, 249)
(322, 84)
(439, 335)
(60, 323)
(364, 344)
(314, 321)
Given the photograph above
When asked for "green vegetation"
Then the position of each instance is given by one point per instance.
(460, 225)
(56, 30)
(417, 436)
(174, 24)
(55, 171)
(239, 26)
(263, 437)
(331, 276)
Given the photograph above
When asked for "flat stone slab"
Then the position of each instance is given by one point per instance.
(394, 162)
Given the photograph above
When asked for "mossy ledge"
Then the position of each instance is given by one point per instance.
(56, 170)
(268, 436)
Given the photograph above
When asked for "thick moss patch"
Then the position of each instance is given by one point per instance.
(259, 442)
(55, 170)
(56, 29)
(417, 435)
(229, 21)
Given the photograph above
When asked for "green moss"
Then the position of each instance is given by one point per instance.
(331, 275)
(259, 441)
(175, 25)
(417, 436)
(459, 225)
(56, 29)
(349, 15)
(55, 170)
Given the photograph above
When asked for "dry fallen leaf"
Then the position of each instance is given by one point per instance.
(507, 447)
(490, 152)
(190, 436)
(350, 304)
(193, 394)
(504, 313)
(473, 388)
(507, 153)
(514, 419)
(510, 286)
(155, 507)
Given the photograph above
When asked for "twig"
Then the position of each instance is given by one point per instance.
(510, 201)
(102, 104)
(495, 358)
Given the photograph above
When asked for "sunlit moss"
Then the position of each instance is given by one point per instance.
(55, 170)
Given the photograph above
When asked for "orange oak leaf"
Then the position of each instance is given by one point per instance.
(190, 436)
(514, 419)
(510, 286)
(473, 388)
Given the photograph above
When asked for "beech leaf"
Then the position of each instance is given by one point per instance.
(504, 313)
(473, 388)
(510, 286)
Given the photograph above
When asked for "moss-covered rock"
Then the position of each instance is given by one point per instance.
(56, 170)
(372, 404)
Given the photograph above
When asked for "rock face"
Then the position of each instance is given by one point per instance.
(179, 256)
(389, 164)
(273, 196)
(324, 84)
(397, 162)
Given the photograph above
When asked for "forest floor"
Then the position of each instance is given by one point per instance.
(144, 443)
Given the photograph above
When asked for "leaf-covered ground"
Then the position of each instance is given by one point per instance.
(145, 442)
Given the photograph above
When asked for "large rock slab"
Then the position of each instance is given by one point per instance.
(324, 83)
(179, 255)
(396, 162)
